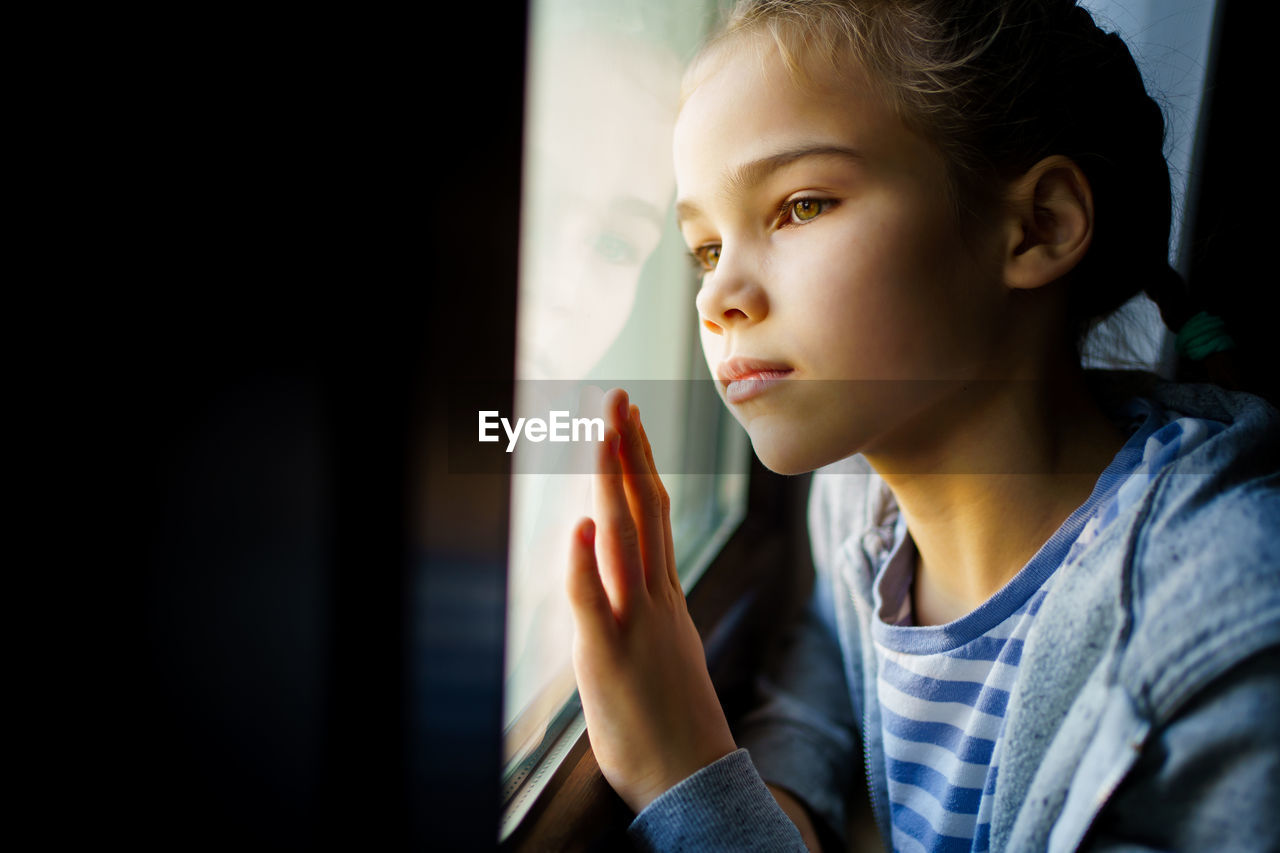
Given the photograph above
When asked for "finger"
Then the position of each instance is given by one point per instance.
(648, 500)
(673, 574)
(617, 549)
(588, 601)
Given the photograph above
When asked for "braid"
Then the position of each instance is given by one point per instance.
(1134, 250)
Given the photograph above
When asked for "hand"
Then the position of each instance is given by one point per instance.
(652, 714)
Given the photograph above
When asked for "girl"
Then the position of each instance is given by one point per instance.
(1047, 601)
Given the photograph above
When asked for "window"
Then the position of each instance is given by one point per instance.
(606, 299)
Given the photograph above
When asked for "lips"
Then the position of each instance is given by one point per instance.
(744, 378)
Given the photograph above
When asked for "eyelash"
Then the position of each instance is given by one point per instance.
(783, 219)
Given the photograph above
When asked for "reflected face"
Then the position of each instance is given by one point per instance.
(831, 253)
(597, 185)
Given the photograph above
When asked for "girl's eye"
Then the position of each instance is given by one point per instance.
(706, 257)
(804, 210)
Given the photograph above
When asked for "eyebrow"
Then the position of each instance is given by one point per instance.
(745, 177)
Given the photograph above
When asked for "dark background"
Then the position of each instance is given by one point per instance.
(325, 232)
(322, 233)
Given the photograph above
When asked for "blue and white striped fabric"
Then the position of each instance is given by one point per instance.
(943, 689)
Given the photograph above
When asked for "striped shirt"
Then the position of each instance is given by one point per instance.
(943, 689)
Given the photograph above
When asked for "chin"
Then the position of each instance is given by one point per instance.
(783, 455)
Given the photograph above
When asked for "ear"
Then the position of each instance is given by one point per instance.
(1050, 223)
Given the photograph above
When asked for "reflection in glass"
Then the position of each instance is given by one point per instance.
(606, 296)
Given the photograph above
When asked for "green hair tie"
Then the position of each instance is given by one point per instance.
(1202, 335)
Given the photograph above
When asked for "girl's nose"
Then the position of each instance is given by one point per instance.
(730, 296)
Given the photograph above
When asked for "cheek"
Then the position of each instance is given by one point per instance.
(883, 297)
(850, 300)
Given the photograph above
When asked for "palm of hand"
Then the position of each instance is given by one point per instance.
(652, 713)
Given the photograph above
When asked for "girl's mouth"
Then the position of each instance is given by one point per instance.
(745, 378)
(741, 390)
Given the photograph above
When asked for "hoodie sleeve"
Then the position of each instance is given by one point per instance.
(724, 806)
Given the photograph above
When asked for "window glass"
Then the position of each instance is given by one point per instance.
(606, 299)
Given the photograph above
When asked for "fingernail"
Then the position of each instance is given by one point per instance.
(588, 532)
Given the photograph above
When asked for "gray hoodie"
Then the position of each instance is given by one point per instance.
(1146, 712)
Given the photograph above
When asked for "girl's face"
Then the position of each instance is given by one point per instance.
(832, 257)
